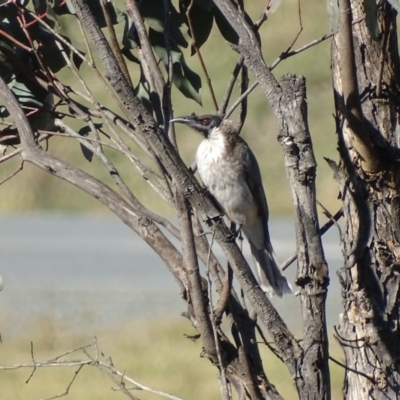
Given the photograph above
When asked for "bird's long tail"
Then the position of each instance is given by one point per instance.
(270, 276)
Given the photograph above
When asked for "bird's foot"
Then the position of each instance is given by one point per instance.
(234, 233)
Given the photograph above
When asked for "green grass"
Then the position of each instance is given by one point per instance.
(153, 352)
(33, 189)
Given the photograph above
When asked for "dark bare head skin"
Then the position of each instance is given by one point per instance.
(203, 124)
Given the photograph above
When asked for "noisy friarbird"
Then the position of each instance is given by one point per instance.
(229, 170)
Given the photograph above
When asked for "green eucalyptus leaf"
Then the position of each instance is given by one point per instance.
(51, 55)
(36, 102)
(130, 38)
(333, 13)
(206, 5)
(6, 69)
(4, 112)
(42, 120)
(142, 91)
(201, 22)
(61, 8)
(226, 29)
(88, 154)
(186, 80)
(85, 131)
(130, 56)
(40, 6)
(51, 18)
(77, 60)
(97, 11)
(371, 17)
(12, 25)
(7, 11)
(27, 92)
(116, 17)
(153, 13)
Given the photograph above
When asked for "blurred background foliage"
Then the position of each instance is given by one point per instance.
(33, 189)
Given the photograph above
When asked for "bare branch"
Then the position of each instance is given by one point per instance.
(145, 213)
(19, 169)
(198, 302)
(107, 367)
(33, 153)
(312, 273)
(59, 37)
(214, 320)
(229, 89)
(66, 391)
(322, 231)
(146, 47)
(114, 41)
(353, 113)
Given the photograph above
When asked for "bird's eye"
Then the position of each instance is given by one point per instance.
(205, 121)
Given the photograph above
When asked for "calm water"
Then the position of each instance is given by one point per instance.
(92, 271)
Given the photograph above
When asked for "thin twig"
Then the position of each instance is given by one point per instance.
(66, 391)
(225, 294)
(243, 105)
(121, 146)
(137, 384)
(282, 57)
(90, 361)
(231, 85)
(59, 37)
(214, 318)
(197, 49)
(19, 169)
(18, 151)
(99, 75)
(34, 362)
(372, 380)
(300, 28)
(331, 217)
(145, 45)
(118, 179)
(15, 41)
(114, 42)
(322, 231)
(169, 129)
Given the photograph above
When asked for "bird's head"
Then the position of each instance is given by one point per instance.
(203, 124)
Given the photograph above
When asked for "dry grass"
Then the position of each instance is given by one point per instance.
(155, 353)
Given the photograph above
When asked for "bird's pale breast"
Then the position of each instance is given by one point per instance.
(223, 176)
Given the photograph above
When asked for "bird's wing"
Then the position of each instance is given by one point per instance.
(252, 175)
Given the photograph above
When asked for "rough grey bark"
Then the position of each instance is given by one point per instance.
(289, 106)
(369, 329)
(312, 273)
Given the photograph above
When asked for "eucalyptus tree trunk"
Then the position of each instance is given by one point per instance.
(366, 77)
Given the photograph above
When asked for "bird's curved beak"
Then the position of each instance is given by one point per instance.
(180, 120)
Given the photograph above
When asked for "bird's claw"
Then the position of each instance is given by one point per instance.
(234, 234)
(204, 190)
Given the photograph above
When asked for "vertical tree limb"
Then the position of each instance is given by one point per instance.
(312, 274)
(351, 97)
